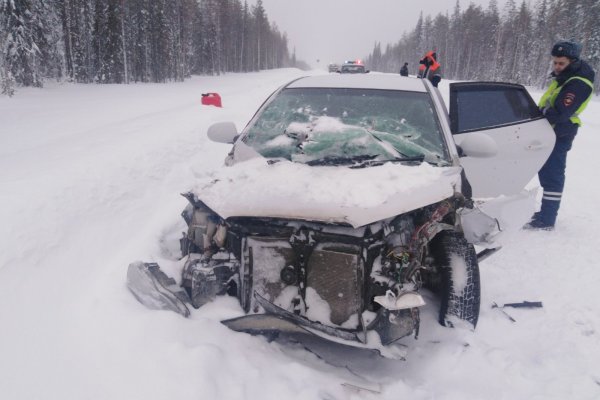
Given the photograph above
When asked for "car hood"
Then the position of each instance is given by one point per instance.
(355, 196)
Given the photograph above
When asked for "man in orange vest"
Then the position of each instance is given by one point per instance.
(430, 68)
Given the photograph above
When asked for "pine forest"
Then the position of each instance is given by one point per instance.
(123, 41)
(508, 45)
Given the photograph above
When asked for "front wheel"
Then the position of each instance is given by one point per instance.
(460, 288)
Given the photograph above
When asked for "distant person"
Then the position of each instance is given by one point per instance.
(404, 69)
(562, 104)
(429, 65)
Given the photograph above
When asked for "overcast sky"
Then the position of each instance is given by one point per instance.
(337, 30)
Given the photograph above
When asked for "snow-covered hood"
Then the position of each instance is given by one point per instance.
(329, 194)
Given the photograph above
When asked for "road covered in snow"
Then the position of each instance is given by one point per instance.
(90, 177)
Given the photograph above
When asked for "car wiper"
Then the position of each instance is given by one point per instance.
(371, 163)
(342, 160)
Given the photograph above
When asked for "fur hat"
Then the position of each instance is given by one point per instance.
(567, 49)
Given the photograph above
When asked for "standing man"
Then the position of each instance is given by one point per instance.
(566, 98)
(404, 69)
(429, 65)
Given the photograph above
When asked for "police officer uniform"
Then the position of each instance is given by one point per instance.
(566, 98)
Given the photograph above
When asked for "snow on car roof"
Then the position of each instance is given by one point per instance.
(360, 81)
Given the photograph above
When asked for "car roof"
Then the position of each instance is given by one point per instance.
(360, 81)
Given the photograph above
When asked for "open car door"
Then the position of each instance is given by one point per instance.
(507, 114)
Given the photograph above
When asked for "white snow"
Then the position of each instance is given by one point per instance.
(459, 273)
(320, 124)
(317, 308)
(357, 196)
(90, 177)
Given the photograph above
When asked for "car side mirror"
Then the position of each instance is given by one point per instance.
(222, 132)
(479, 145)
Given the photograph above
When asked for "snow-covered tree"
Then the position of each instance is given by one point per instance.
(27, 43)
(121, 41)
(510, 46)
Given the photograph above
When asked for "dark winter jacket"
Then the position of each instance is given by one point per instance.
(404, 70)
(571, 96)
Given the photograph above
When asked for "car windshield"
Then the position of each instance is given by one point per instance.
(310, 124)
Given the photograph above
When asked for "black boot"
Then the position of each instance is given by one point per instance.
(536, 216)
(538, 225)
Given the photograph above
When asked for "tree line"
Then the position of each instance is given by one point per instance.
(122, 41)
(486, 44)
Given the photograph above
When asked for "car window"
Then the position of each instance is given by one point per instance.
(304, 124)
(484, 106)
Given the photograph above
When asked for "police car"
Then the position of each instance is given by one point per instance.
(353, 67)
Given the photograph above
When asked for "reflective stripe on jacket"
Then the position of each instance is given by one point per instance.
(553, 91)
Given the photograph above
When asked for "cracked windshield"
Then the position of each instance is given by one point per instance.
(338, 126)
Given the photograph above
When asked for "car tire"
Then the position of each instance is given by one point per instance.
(460, 288)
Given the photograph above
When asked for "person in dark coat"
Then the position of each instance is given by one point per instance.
(436, 79)
(562, 104)
(404, 69)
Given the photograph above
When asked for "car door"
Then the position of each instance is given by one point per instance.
(507, 114)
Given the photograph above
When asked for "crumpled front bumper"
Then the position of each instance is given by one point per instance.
(156, 290)
(279, 329)
(389, 325)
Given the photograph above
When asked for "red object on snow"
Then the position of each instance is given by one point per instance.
(211, 99)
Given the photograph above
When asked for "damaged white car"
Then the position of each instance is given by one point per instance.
(343, 197)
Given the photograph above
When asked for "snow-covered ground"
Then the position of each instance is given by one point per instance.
(90, 178)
